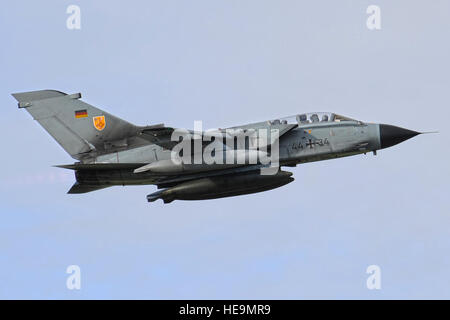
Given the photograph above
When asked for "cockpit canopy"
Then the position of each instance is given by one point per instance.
(312, 117)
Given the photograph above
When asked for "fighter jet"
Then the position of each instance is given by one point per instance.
(197, 164)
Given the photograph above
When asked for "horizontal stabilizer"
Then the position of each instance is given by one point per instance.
(84, 188)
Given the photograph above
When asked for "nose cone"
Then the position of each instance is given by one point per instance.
(392, 135)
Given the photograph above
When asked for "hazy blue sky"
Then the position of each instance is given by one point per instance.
(229, 63)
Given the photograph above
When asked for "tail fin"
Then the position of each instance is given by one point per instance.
(81, 129)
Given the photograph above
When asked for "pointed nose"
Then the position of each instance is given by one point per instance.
(392, 135)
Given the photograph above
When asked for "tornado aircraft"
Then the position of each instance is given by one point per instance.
(197, 164)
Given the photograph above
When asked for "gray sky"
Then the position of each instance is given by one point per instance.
(229, 63)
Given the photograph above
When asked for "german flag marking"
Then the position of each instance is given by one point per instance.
(81, 114)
